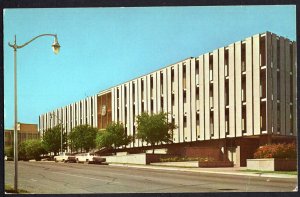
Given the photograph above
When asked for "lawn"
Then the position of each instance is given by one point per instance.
(10, 189)
(273, 172)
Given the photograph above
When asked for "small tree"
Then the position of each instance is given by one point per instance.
(22, 150)
(34, 149)
(154, 128)
(114, 136)
(9, 151)
(83, 137)
(52, 139)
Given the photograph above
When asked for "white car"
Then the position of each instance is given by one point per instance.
(84, 157)
(64, 157)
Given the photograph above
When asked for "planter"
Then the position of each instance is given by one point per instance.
(272, 164)
(215, 164)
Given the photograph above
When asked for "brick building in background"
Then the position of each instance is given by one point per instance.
(25, 132)
(231, 100)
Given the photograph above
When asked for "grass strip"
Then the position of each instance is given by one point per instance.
(271, 172)
(10, 189)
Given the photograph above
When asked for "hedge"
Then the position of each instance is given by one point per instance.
(283, 151)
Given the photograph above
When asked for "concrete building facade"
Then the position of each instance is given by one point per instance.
(232, 95)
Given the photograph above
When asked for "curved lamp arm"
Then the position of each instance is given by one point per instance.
(55, 44)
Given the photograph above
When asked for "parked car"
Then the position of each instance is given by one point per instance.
(65, 157)
(99, 160)
(84, 157)
(89, 158)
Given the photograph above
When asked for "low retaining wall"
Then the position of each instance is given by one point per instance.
(178, 164)
(272, 164)
(142, 158)
(215, 164)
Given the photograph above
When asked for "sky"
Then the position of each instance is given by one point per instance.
(103, 47)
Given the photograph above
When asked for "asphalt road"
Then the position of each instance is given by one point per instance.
(70, 178)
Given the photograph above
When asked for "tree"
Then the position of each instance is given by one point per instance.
(9, 151)
(31, 149)
(83, 137)
(154, 128)
(52, 139)
(22, 151)
(34, 149)
(114, 136)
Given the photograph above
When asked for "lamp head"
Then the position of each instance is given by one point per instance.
(55, 45)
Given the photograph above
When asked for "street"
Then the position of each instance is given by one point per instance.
(64, 178)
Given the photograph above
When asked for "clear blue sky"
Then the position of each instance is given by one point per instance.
(103, 47)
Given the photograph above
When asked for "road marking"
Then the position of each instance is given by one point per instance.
(33, 180)
(84, 177)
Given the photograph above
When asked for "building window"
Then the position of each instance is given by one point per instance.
(226, 63)
(142, 87)
(184, 122)
(173, 99)
(211, 96)
(243, 58)
(197, 67)
(210, 68)
(278, 117)
(278, 54)
(133, 92)
(184, 76)
(184, 96)
(151, 87)
(151, 106)
(172, 75)
(244, 119)
(125, 94)
(278, 85)
(211, 120)
(226, 92)
(197, 93)
(227, 121)
(243, 88)
(161, 83)
(262, 51)
(263, 84)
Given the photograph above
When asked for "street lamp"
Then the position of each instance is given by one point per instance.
(61, 136)
(55, 47)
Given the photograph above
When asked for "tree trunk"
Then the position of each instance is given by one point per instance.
(152, 148)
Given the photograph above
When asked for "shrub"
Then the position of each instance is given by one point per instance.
(284, 151)
(9, 151)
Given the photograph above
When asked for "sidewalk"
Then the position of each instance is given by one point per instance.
(230, 171)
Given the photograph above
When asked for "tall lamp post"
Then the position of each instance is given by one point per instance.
(55, 47)
(61, 136)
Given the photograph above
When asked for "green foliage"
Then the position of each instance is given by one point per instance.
(31, 149)
(52, 139)
(9, 151)
(178, 159)
(284, 151)
(34, 149)
(22, 151)
(83, 137)
(154, 128)
(114, 136)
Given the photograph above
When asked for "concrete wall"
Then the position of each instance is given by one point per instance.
(272, 164)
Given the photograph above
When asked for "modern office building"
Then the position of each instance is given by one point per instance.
(236, 98)
(25, 132)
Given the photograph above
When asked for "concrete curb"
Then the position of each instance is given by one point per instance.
(199, 170)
